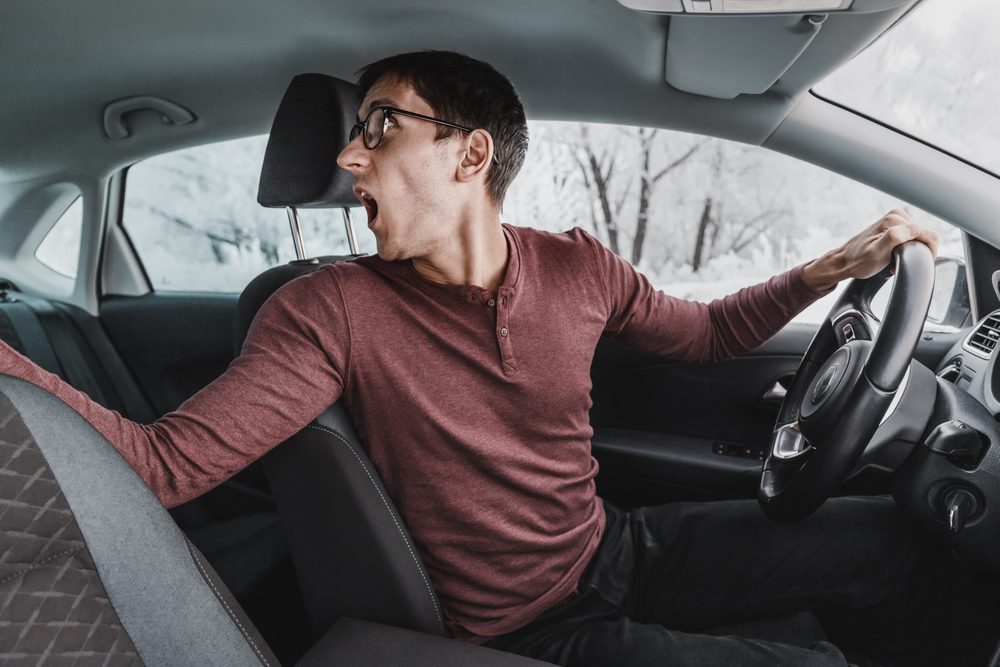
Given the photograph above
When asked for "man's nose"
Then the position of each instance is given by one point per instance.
(354, 156)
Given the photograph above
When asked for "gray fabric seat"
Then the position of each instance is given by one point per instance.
(92, 567)
(93, 571)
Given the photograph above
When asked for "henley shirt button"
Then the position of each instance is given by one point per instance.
(491, 303)
(503, 331)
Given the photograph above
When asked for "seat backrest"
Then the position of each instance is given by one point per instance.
(351, 551)
(92, 567)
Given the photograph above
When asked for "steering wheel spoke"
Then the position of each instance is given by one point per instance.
(845, 386)
(789, 443)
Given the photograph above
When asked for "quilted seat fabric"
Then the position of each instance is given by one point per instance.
(54, 609)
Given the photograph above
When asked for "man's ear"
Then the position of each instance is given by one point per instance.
(477, 156)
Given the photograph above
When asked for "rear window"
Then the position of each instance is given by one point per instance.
(194, 220)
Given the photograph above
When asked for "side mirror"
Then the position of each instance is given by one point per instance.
(950, 307)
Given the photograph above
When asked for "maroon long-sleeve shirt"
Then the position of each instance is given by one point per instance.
(473, 405)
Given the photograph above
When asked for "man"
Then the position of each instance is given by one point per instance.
(462, 352)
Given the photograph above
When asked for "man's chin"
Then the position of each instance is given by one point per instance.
(389, 253)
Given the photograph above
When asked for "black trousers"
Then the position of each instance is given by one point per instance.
(687, 584)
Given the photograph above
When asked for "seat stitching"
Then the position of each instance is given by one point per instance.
(218, 595)
(35, 566)
(392, 516)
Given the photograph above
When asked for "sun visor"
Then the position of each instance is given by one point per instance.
(724, 57)
(311, 127)
(725, 48)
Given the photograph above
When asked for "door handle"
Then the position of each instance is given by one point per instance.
(777, 392)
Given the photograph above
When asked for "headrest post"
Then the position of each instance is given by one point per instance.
(293, 222)
(352, 238)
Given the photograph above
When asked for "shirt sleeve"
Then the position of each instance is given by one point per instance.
(292, 367)
(653, 322)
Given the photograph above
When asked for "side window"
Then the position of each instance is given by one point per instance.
(194, 220)
(700, 217)
(60, 249)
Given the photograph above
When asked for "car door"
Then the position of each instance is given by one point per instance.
(701, 218)
(667, 431)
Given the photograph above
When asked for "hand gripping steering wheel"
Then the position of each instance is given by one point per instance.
(844, 386)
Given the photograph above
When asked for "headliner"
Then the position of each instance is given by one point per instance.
(230, 61)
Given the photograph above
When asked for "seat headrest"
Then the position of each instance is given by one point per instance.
(311, 127)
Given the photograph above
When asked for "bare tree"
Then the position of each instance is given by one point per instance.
(706, 221)
(716, 233)
(648, 181)
(598, 174)
(601, 170)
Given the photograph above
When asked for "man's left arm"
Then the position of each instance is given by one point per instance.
(656, 323)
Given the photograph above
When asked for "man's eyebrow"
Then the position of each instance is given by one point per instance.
(381, 102)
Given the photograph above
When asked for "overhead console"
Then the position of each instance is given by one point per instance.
(725, 48)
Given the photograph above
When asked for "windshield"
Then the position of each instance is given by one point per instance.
(935, 75)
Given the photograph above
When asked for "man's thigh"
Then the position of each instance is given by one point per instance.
(704, 564)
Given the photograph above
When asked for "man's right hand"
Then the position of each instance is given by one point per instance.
(868, 252)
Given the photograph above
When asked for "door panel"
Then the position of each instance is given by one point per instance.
(667, 430)
(643, 468)
(174, 343)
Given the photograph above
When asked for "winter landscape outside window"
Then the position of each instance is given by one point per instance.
(701, 217)
(193, 217)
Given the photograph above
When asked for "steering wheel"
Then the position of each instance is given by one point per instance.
(844, 387)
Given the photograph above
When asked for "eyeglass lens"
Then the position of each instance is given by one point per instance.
(374, 127)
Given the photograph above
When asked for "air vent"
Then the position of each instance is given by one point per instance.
(984, 337)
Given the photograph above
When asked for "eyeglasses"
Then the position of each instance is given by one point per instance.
(373, 128)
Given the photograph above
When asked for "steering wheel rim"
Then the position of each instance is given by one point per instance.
(842, 390)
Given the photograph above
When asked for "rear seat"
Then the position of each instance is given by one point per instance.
(69, 342)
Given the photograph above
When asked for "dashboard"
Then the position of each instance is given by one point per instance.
(971, 364)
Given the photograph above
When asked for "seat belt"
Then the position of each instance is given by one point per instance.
(8, 334)
(63, 344)
(28, 331)
(135, 404)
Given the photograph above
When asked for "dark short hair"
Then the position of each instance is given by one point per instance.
(466, 92)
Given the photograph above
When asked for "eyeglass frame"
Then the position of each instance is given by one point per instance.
(360, 128)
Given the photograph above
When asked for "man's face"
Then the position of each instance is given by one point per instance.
(407, 183)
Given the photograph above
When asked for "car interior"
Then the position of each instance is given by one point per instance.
(303, 558)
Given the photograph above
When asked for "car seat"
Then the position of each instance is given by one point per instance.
(94, 571)
(352, 553)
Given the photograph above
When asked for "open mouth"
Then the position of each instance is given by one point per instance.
(368, 201)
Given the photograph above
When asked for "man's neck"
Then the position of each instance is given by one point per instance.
(476, 256)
